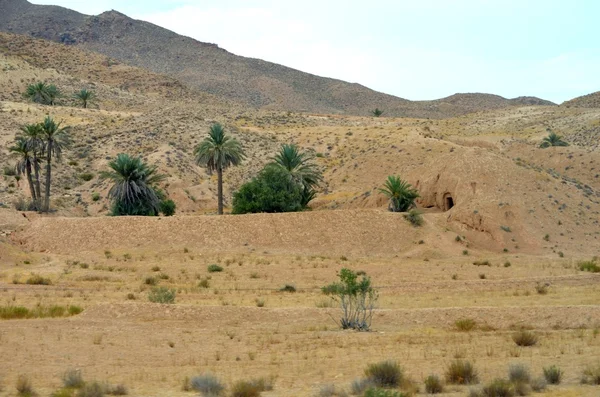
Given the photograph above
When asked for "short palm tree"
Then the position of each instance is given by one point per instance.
(25, 162)
(40, 92)
(134, 190)
(401, 194)
(35, 144)
(301, 170)
(85, 97)
(217, 152)
(55, 138)
(553, 140)
(377, 112)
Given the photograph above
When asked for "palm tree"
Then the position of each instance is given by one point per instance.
(217, 152)
(35, 144)
(26, 162)
(377, 112)
(55, 140)
(401, 194)
(134, 191)
(553, 140)
(43, 93)
(85, 97)
(301, 169)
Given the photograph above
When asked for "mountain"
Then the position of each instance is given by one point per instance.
(211, 69)
(586, 101)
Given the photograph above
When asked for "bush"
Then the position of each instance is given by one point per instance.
(519, 373)
(465, 324)
(356, 298)
(93, 389)
(288, 288)
(271, 191)
(73, 379)
(167, 207)
(358, 386)
(589, 266)
(591, 376)
(375, 392)
(433, 384)
(553, 374)
(87, 176)
(461, 373)
(384, 374)
(24, 386)
(482, 263)
(214, 268)
(538, 385)
(414, 217)
(117, 390)
(498, 388)
(246, 389)
(162, 295)
(524, 338)
(542, 289)
(208, 385)
(95, 196)
(36, 279)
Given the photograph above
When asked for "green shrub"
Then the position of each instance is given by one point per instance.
(377, 392)
(150, 280)
(498, 388)
(518, 373)
(93, 389)
(214, 268)
(14, 312)
(553, 374)
(538, 385)
(433, 384)
(524, 338)
(414, 217)
(271, 191)
(251, 388)
(87, 176)
(359, 386)
(20, 312)
(288, 288)
(167, 207)
(591, 375)
(462, 373)
(24, 386)
(465, 324)
(208, 385)
(36, 279)
(162, 295)
(73, 379)
(74, 310)
(589, 266)
(384, 374)
(95, 196)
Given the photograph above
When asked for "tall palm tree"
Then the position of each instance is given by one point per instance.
(553, 140)
(401, 194)
(85, 97)
(35, 144)
(217, 152)
(25, 163)
(55, 140)
(134, 190)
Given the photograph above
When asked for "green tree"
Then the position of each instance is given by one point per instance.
(40, 92)
(217, 152)
(401, 194)
(270, 191)
(553, 140)
(377, 112)
(56, 139)
(85, 97)
(35, 144)
(300, 169)
(134, 190)
(356, 298)
(25, 162)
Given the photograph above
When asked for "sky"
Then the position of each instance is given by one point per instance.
(414, 49)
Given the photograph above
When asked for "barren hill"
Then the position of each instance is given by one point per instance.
(211, 69)
(586, 101)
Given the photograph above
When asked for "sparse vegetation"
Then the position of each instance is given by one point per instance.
(589, 266)
(356, 298)
(207, 385)
(434, 385)
(461, 373)
(524, 338)
(162, 295)
(414, 217)
(591, 375)
(553, 374)
(386, 374)
(214, 268)
(465, 324)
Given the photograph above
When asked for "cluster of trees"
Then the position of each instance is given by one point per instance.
(36, 144)
(49, 94)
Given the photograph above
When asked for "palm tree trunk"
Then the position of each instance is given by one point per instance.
(220, 189)
(30, 181)
(38, 189)
(48, 177)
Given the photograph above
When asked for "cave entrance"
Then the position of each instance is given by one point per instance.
(449, 203)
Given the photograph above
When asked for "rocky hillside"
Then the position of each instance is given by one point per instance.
(586, 101)
(213, 70)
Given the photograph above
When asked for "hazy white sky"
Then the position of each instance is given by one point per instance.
(424, 49)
